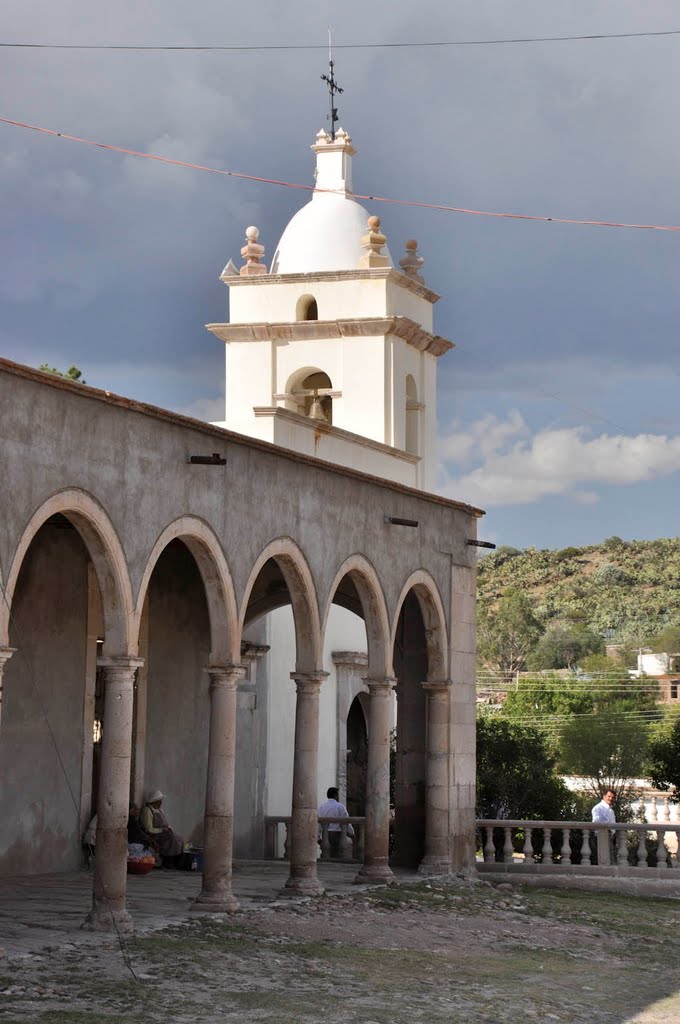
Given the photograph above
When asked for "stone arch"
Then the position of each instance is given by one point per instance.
(306, 308)
(308, 392)
(374, 607)
(106, 551)
(202, 542)
(434, 620)
(302, 591)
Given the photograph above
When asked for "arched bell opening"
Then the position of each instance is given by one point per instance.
(412, 426)
(309, 394)
(306, 308)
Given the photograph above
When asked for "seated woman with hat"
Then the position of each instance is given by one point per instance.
(155, 824)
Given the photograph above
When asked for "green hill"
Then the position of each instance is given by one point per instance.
(626, 591)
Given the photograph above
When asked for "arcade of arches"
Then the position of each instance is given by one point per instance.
(131, 648)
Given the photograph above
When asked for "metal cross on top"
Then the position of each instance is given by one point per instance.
(333, 87)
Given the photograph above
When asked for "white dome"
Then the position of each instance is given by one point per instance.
(324, 235)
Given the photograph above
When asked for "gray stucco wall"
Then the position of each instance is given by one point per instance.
(40, 821)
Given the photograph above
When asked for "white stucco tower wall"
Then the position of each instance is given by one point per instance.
(331, 352)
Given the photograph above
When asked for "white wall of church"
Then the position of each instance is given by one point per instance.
(263, 300)
(345, 631)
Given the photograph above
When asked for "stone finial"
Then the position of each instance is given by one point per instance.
(412, 263)
(252, 253)
(373, 242)
(230, 270)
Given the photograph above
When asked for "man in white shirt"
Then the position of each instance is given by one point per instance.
(604, 811)
(332, 808)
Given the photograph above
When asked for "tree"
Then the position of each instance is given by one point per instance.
(564, 645)
(516, 775)
(667, 641)
(607, 749)
(538, 696)
(73, 373)
(663, 760)
(505, 635)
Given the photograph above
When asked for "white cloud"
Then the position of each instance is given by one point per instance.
(517, 469)
(211, 410)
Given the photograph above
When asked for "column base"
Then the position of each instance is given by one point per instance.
(101, 919)
(375, 874)
(303, 887)
(434, 866)
(214, 903)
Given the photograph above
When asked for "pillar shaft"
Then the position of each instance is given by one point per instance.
(5, 654)
(218, 828)
(110, 871)
(377, 834)
(304, 823)
(437, 859)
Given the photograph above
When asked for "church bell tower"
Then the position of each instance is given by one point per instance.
(330, 350)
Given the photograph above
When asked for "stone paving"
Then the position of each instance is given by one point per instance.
(41, 910)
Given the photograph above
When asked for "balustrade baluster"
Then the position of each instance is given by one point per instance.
(585, 847)
(621, 848)
(565, 852)
(489, 849)
(674, 856)
(660, 848)
(666, 809)
(528, 848)
(653, 814)
(642, 809)
(642, 848)
(507, 846)
(546, 849)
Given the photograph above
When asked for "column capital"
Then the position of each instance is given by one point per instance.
(5, 654)
(380, 687)
(225, 676)
(124, 663)
(308, 682)
(437, 686)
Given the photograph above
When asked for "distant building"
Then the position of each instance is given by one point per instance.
(664, 667)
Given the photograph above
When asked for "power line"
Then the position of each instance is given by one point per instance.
(444, 208)
(411, 44)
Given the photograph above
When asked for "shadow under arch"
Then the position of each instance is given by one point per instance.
(294, 585)
(106, 551)
(420, 656)
(220, 595)
(366, 591)
(434, 620)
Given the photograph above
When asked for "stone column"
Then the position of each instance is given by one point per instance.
(377, 835)
(110, 870)
(304, 824)
(5, 654)
(218, 830)
(437, 859)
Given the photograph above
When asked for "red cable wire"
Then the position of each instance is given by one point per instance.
(355, 195)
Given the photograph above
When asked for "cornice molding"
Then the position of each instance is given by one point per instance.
(322, 330)
(319, 427)
(360, 274)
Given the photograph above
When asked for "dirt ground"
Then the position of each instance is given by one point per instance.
(431, 951)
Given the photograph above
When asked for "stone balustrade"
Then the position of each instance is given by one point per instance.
(578, 847)
(277, 838)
